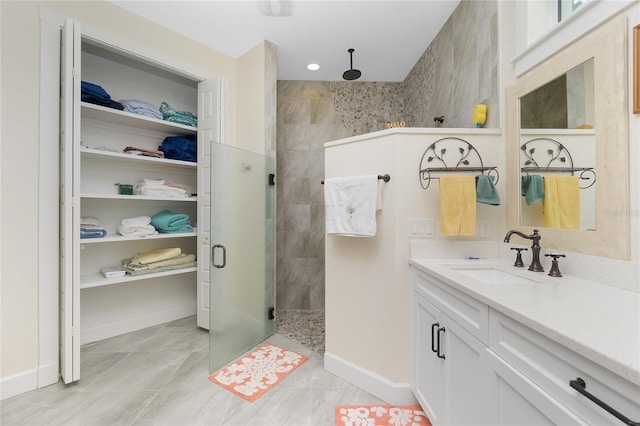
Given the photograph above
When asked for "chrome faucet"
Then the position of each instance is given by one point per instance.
(535, 248)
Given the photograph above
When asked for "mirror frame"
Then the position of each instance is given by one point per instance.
(607, 45)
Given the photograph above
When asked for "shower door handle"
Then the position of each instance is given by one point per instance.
(224, 255)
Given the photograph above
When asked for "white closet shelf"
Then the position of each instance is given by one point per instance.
(138, 197)
(111, 115)
(121, 238)
(98, 280)
(120, 156)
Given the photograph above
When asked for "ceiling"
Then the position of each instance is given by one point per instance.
(388, 36)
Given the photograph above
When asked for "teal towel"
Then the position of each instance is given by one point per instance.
(168, 222)
(532, 189)
(486, 191)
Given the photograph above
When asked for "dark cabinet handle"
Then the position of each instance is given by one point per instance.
(433, 338)
(224, 255)
(441, 329)
(579, 385)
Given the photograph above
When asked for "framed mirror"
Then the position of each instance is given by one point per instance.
(557, 147)
(550, 131)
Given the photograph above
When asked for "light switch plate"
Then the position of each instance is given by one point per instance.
(421, 228)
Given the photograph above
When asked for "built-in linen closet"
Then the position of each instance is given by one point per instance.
(95, 172)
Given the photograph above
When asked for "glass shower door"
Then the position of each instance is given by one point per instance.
(242, 252)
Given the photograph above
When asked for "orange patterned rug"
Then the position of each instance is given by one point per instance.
(254, 374)
(381, 415)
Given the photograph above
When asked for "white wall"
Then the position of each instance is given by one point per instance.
(367, 279)
(20, 169)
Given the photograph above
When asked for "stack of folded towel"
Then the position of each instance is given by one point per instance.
(161, 188)
(180, 148)
(95, 94)
(167, 222)
(90, 227)
(138, 225)
(180, 117)
(159, 260)
(142, 108)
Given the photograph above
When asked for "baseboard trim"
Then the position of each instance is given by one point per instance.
(18, 383)
(117, 328)
(48, 374)
(391, 392)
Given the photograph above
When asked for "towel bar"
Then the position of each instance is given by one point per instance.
(437, 150)
(384, 177)
(554, 153)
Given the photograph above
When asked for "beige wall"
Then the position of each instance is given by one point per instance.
(20, 212)
(251, 71)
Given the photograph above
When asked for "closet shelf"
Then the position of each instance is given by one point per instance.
(122, 238)
(98, 280)
(138, 197)
(114, 116)
(118, 156)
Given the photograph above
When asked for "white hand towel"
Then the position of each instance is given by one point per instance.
(351, 204)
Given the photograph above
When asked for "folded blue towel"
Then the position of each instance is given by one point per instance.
(95, 94)
(532, 189)
(486, 191)
(142, 108)
(180, 148)
(92, 233)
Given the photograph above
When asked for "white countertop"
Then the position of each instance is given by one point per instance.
(600, 322)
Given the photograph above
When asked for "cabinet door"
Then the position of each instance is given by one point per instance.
(518, 401)
(466, 375)
(428, 373)
(209, 127)
(70, 203)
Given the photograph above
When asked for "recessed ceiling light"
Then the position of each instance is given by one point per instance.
(313, 67)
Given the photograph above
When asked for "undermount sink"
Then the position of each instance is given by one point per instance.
(493, 276)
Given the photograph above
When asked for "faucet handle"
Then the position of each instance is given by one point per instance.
(555, 269)
(519, 262)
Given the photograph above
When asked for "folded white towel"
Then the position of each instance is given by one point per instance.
(351, 204)
(136, 221)
(136, 230)
(162, 192)
(90, 222)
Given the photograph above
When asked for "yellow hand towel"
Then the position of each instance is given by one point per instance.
(561, 205)
(457, 205)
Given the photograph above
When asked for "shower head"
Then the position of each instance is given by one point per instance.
(351, 74)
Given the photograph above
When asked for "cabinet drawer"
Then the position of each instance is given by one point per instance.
(552, 366)
(468, 312)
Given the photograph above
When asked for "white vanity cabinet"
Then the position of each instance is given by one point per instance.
(449, 376)
(93, 165)
(499, 371)
(548, 368)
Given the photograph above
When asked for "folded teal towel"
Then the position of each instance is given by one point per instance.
(168, 222)
(532, 189)
(486, 191)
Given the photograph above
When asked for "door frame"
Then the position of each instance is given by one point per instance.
(47, 371)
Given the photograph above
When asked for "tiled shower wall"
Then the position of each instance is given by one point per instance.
(458, 70)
